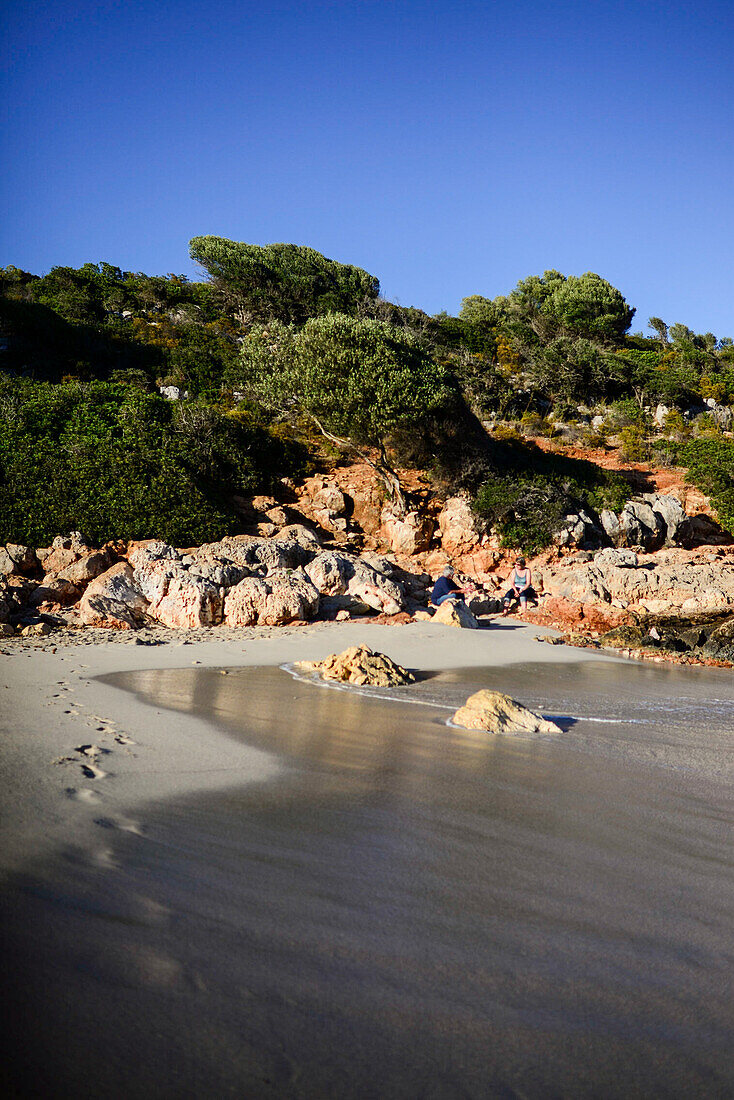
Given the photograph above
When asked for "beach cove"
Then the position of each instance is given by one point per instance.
(239, 882)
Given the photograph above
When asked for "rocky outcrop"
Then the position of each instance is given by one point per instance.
(189, 601)
(17, 560)
(282, 598)
(360, 665)
(671, 581)
(455, 613)
(648, 523)
(55, 591)
(498, 713)
(409, 534)
(329, 572)
(581, 529)
(701, 637)
(114, 599)
(90, 564)
(459, 527)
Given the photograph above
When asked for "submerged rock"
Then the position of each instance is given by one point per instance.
(361, 665)
(498, 713)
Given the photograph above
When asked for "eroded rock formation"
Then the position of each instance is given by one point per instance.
(498, 713)
(361, 665)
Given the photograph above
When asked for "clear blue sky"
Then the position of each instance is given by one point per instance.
(450, 148)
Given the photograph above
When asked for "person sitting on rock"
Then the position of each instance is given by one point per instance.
(522, 587)
(446, 588)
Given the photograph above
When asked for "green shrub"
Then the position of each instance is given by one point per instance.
(117, 462)
(710, 465)
(634, 443)
(529, 491)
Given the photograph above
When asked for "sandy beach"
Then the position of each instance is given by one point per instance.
(53, 702)
(224, 881)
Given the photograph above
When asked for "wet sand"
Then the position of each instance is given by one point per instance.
(390, 907)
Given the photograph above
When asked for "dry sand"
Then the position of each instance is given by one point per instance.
(74, 751)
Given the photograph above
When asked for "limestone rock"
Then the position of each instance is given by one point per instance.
(90, 565)
(623, 559)
(330, 499)
(610, 524)
(54, 590)
(36, 630)
(60, 558)
(113, 599)
(375, 589)
(455, 613)
(408, 534)
(360, 665)
(189, 602)
(329, 573)
(296, 534)
(701, 530)
(480, 603)
(219, 571)
(458, 526)
(670, 511)
(16, 559)
(658, 417)
(273, 601)
(498, 713)
(672, 581)
(640, 525)
(580, 529)
(153, 576)
(74, 541)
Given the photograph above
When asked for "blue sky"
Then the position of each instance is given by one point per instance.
(450, 148)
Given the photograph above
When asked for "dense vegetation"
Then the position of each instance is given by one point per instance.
(112, 460)
(280, 343)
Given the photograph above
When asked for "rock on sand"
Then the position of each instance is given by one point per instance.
(455, 613)
(360, 665)
(498, 713)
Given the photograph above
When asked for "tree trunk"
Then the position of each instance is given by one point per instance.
(382, 468)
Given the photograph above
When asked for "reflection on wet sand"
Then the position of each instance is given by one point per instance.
(352, 732)
(406, 909)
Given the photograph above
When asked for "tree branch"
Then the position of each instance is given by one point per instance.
(382, 468)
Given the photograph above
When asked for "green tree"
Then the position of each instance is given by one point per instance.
(284, 282)
(543, 307)
(359, 381)
(660, 327)
(573, 369)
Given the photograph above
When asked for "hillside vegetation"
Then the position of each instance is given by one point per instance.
(279, 351)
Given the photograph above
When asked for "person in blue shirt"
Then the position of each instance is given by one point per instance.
(522, 587)
(446, 588)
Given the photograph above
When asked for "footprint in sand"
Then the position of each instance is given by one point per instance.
(122, 823)
(104, 858)
(91, 771)
(82, 795)
(90, 768)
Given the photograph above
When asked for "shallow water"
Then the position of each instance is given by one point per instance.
(409, 910)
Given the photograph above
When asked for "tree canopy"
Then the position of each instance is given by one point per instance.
(359, 378)
(553, 304)
(284, 282)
